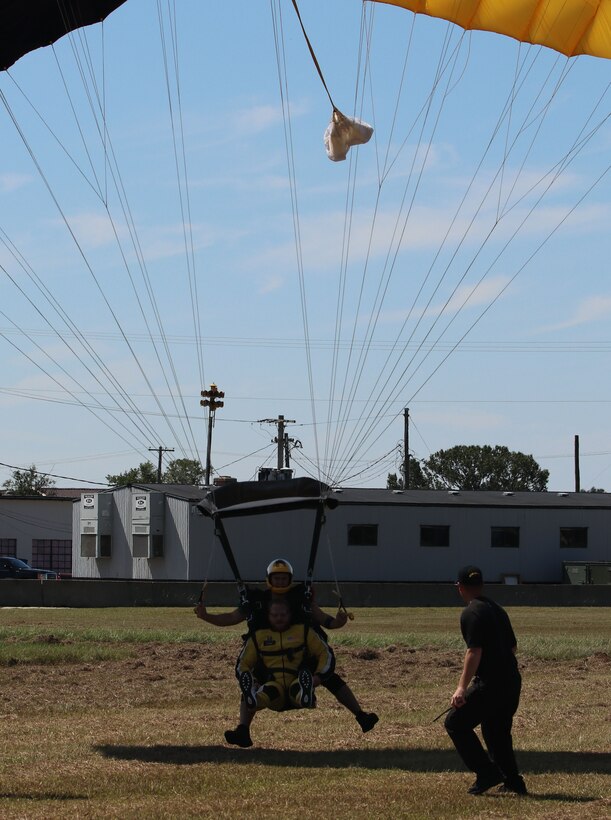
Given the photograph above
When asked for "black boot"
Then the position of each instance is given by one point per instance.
(366, 720)
(240, 736)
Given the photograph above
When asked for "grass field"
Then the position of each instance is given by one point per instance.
(120, 713)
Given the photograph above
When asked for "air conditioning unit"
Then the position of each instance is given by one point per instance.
(96, 525)
(274, 474)
(148, 521)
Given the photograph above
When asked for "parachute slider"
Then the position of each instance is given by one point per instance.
(342, 133)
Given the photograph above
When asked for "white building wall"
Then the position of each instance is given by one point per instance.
(173, 565)
(399, 556)
(119, 564)
(193, 552)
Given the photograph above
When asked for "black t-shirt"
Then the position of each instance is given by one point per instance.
(484, 624)
(259, 600)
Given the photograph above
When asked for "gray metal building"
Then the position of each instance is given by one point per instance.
(157, 532)
(38, 530)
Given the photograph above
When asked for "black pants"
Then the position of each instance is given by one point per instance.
(493, 707)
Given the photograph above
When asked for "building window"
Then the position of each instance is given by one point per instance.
(505, 537)
(362, 535)
(88, 546)
(574, 537)
(157, 546)
(8, 547)
(140, 546)
(52, 553)
(105, 546)
(434, 535)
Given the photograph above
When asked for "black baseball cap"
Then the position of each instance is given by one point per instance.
(470, 576)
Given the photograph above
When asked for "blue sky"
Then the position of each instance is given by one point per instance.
(465, 248)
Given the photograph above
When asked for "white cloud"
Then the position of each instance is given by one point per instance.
(11, 182)
(470, 296)
(259, 118)
(271, 284)
(92, 230)
(592, 309)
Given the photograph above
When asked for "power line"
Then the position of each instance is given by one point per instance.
(82, 481)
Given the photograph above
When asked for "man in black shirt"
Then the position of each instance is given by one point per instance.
(488, 692)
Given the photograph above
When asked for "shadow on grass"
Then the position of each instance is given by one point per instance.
(413, 760)
(42, 796)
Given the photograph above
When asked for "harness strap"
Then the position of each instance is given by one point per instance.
(319, 521)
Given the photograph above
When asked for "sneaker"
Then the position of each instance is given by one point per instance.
(366, 720)
(517, 786)
(482, 784)
(306, 689)
(240, 736)
(247, 685)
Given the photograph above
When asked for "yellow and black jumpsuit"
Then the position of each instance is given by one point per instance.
(282, 654)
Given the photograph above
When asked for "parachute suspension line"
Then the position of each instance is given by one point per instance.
(515, 275)
(455, 217)
(313, 55)
(507, 132)
(343, 271)
(276, 13)
(79, 127)
(36, 363)
(61, 337)
(451, 84)
(212, 542)
(444, 62)
(120, 188)
(513, 278)
(318, 523)
(60, 144)
(182, 174)
(221, 533)
(567, 68)
(372, 470)
(365, 37)
(367, 23)
(333, 569)
(104, 119)
(129, 221)
(386, 168)
(47, 184)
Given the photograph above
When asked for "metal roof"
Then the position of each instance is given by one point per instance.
(472, 498)
(420, 498)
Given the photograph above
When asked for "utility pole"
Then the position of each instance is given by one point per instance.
(210, 398)
(577, 477)
(297, 445)
(161, 451)
(280, 438)
(406, 449)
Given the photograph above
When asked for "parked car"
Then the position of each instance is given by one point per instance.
(16, 568)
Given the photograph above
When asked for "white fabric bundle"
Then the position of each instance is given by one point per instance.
(344, 132)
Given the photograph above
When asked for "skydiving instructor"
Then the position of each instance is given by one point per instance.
(488, 692)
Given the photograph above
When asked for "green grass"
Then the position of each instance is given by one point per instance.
(120, 714)
(58, 633)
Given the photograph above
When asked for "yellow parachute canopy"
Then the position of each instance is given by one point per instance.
(569, 26)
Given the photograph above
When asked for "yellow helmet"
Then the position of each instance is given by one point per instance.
(279, 565)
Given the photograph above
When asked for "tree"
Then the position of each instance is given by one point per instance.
(29, 482)
(145, 473)
(179, 471)
(393, 482)
(473, 467)
(417, 480)
(184, 471)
